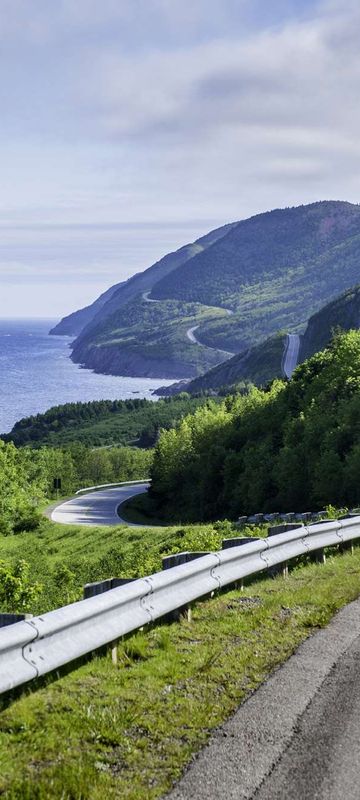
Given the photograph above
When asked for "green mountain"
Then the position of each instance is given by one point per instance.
(228, 293)
(120, 294)
(259, 365)
(149, 339)
(273, 271)
(264, 362)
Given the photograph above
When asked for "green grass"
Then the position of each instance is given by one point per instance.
(129, 730)
(65, 557)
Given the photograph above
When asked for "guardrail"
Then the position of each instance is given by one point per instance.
(35, 647)
(111, 486)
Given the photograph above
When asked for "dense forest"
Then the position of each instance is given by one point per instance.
(103, 422)
(288, 448)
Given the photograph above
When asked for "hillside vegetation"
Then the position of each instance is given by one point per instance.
(272, 271)
(122, 293)
(103, 422)
(292, 447)
(258, 365)
(150, 339)
(342, 313)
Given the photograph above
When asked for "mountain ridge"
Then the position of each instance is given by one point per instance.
(272, 271)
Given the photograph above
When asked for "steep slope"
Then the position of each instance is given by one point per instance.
(74, 323)
(122, 293)
(258, 365)
(344, 313)
(150, 339)
(270, 273)
(273, 270)
(264, 362)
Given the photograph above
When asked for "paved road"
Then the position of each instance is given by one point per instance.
(145, 296)
(190, 333)
(291, 354)
(298, 736)
(97, 508)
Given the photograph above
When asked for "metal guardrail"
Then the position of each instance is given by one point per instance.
(111, 486)
(38, 646)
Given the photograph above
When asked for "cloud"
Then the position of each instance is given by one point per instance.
(180, 116)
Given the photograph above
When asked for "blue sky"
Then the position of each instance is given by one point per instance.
(129, 127)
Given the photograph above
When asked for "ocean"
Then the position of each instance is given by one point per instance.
(36, 373)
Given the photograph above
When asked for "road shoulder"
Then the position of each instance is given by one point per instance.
(244, 751)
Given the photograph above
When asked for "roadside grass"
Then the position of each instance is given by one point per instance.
(62, 558)
(129, 730)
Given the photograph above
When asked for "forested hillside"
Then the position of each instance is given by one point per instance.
(258, 365)
(120, 294)
(150, 339)
(103, 423)
(292, 447)
(343, 312)
(270, 273)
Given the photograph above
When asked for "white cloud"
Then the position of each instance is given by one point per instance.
(167, 112)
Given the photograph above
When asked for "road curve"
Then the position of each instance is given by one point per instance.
(190, 333)
(145, 296)
(291, 355)
(97, 508)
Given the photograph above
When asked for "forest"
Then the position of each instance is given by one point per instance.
(291, 447)
(103, 422)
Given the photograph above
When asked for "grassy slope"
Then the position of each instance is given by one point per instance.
(128, 731)
(91, 554)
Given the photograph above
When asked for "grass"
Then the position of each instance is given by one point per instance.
(65, 557)
(129, 730)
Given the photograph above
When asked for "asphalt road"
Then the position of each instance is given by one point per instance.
(298, 736)
(97, 508)
(190, 333)
(291, 354)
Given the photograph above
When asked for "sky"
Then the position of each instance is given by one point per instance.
(130, 127)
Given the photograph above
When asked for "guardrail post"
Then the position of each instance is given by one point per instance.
(174, 561)
(240, 522)
(347, 547)
(273, 531)
(99, 587)
(237, 541)
(318, 556)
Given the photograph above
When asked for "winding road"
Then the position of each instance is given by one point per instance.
(291, 354)
(190, 333)
(98, 507)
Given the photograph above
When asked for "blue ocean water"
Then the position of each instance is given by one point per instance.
(37, 373)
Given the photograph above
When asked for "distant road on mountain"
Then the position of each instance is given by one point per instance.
(291, 354)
